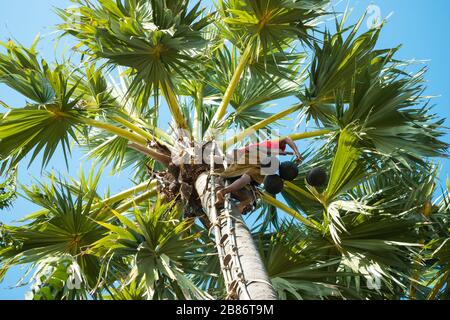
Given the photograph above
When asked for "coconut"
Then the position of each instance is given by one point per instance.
(273, 184)
(288, 171)
(317, 177)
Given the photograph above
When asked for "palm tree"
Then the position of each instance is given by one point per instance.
(373, 232)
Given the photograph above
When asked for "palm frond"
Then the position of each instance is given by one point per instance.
(159, 245)
(337, 59)
(49, 119)
(346, 169)
(395, 120)
(268, 25)
(154, 39)
(68, 229)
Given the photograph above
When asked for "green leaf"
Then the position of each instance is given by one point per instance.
(155, 39)
(337, 59)
(347, 168)
(20, 70)
(35, 129)
(268, 25)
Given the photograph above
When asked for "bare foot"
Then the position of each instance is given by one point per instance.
(244, 207)
(220, 197)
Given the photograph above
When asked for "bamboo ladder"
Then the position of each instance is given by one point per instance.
(224, 227)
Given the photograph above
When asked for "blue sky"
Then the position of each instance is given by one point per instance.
(420, 26)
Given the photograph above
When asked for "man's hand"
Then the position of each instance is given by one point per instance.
(291, 143)
(299, 159)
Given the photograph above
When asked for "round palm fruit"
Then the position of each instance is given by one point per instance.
(273, 184)
(288, 171)
(317, 177)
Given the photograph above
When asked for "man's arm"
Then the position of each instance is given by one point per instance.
(293, 146)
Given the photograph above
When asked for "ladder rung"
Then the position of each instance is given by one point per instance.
(224, 238)
(233, 285)
(227, 259)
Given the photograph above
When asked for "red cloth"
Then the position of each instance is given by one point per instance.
(270, 145)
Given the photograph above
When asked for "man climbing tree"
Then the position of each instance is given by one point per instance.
(250, 166)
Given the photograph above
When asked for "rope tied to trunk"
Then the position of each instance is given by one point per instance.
(230, 223)
(258, 281)
(230, 262)
(216, 225)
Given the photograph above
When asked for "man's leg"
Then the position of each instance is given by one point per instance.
(246, 200)
(234, 187)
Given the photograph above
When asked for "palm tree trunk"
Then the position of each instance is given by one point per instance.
(256, 284)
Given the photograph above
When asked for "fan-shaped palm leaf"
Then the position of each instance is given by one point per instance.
(155, 39)
(159, 244)
(67, 229)
(269, 25)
